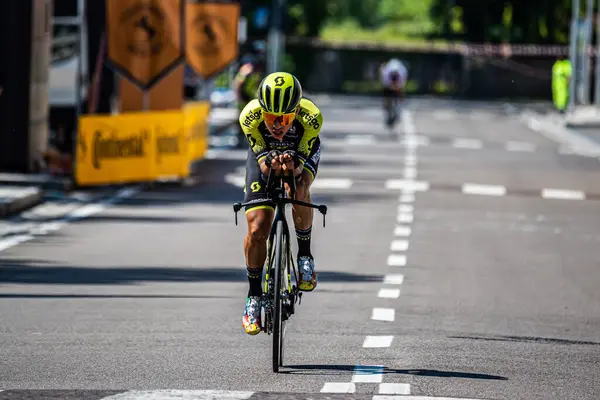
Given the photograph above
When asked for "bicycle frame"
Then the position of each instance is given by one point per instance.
(280, 303)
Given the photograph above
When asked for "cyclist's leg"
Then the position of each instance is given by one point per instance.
(388, 104)
(259, 220)
(303, 218)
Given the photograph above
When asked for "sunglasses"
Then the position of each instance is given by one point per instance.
(283, 120)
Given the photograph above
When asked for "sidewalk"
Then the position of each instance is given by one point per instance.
(15, 199)
(20, 192)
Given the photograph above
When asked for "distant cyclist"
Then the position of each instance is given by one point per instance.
(393, 79)
(282, 129)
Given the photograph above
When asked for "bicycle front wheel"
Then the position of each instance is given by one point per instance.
(278, 327)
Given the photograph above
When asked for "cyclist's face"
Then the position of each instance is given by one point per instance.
(278, 125)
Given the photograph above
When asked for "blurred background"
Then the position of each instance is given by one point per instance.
(489, 49)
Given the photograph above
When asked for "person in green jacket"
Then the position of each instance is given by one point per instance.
(561, 78)
(245, 85)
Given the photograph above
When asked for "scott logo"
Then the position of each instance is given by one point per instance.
(111, 148)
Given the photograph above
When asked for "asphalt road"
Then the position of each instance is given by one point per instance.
(459, 260)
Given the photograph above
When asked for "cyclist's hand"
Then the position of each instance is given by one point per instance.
(288, 162)
(273, 160)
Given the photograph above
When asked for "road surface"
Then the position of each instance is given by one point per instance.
(459, 260)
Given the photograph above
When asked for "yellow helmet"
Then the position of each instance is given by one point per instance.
(279, 93)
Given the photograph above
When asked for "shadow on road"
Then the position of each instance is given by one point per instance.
(150, 219)
(526, 339)
(104, 296)
(324, 369)
(27, 272)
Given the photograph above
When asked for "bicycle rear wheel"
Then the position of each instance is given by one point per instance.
(278, 323)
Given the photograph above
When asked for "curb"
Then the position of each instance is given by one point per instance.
(14, 206)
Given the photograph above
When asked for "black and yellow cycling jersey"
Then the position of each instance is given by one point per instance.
(301, 137)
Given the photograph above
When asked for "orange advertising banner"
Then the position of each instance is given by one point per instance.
(211, 35)
(145, 38)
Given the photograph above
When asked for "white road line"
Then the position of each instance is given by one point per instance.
(338, 387)
(407, 184)
(563, 194)
(415, 141)
(519, 146)
(394, 388)
(410, 162)
(181, 394)
(368, 374)
(407, 197)
(393, 279)
(406, 208)
(466, 143)
(396, 260)
(79, 213)
(388, 293)
(332, 183)
(13, 241)
(410, 172)
(378, 341)
(405, 218)
(556, 131)
(484, 190)
(399, 245)
(383, 314)
(408, 124)
(410, 397)
(402, 230)
(360, 139)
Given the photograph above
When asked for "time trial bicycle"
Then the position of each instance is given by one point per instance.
(280, 294)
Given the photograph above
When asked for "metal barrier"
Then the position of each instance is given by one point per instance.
(479, 71)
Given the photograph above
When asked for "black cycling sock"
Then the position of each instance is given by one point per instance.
(255, 281)
(303, 236)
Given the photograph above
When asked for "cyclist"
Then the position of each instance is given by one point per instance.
(245, 84)
(393, 79)
(277, 121)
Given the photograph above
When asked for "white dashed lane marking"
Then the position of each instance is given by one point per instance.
(483, 190)
(378, 341)
(388, 293)
(402, 230)
(368, 373)
(399, 245)
(405, 218)
(396, 260)
(394, 388)
(407, 197)
(406, 184)
(406, 208)
(465, 143)
(393, 279)
(338, 387)
(383, 314)
(563, 194)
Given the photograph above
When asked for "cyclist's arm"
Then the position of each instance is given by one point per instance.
(249, 120)
(311, 133)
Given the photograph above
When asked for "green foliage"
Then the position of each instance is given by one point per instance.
(516, 21)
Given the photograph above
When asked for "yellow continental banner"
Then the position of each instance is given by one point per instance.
(145, 38)
(211, 36)
(196, 127)
(132, 147)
